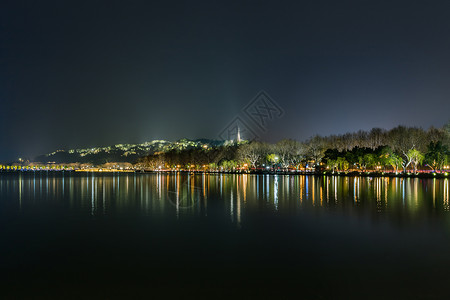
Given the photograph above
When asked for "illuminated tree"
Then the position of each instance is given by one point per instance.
(437, 155)
(290, 152)
(272, 159)
(395, 161)
(416, 158)
(250, 153)
(229, 165)
(384, 154)
(212, 166)
(367, 160)
(315, 149)
(342, 163)
(332, 164)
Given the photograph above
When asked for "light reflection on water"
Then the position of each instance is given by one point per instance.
(341, 232)
(183, 194)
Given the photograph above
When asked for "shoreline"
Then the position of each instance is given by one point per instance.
(279, 172)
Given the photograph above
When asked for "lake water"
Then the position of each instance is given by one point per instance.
(220, 236)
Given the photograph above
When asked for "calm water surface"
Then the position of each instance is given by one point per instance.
(221, 236)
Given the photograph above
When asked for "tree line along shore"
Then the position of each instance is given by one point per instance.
(401, 150)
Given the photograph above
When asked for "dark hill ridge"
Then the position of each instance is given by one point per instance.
(124, 152)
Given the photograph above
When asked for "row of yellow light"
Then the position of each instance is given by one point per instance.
(4, 167)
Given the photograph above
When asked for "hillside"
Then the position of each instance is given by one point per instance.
(123, 152)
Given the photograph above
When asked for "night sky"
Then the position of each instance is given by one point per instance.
(96, 73)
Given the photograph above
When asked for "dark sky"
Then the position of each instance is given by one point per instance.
(86, 73)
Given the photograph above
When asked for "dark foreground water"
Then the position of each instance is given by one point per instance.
(158, 236)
